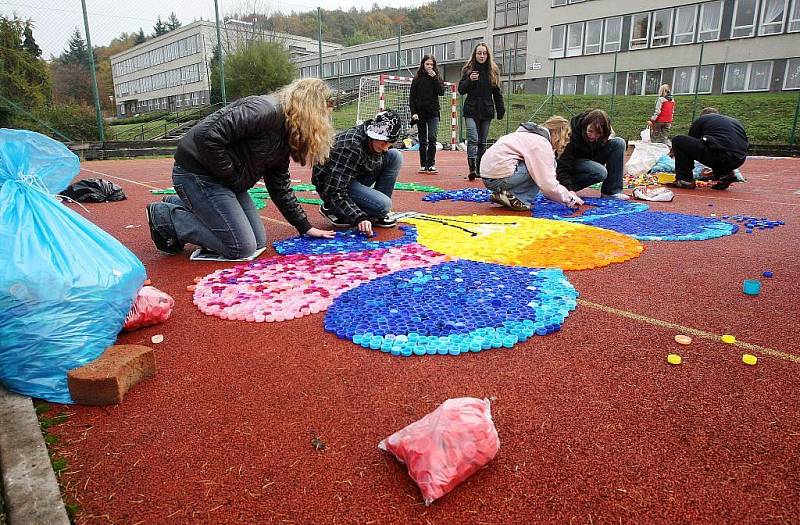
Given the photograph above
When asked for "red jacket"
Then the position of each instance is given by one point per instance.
(665, 107)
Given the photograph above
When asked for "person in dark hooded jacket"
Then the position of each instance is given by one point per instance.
(480, 82)
(593, 156)
(426, 88)
(226, 154)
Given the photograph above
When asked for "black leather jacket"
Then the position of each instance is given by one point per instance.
(482, 97)
(240, 144)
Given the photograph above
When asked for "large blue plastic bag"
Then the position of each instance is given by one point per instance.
(65, 284)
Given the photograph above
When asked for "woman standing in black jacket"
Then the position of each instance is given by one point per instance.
(226, 154)
(426, 88)
(480, 82)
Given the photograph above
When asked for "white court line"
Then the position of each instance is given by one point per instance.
(121, 178)
(721, 199)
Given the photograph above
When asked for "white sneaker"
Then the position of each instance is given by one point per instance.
(617, 196)
(653, 194)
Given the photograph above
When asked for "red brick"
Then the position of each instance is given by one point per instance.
(105, 380)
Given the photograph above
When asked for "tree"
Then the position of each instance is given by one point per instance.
(140, 38)
(173, 23)
(160, 28)
(258, 68)
(71, 74)
(23, 76)
(28, 43)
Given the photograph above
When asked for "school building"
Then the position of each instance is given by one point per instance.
(594, 46)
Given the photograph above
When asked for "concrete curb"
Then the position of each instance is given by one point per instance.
(30, 489)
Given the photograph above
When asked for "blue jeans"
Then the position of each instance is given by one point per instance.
(210, 215)
(477, 135)
(377, 202)
(607, 169)
(519, 183)
(428, 129)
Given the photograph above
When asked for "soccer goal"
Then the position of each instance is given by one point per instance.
(391, 92)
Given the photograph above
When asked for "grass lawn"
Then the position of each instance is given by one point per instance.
(134, 131)
(767, 117)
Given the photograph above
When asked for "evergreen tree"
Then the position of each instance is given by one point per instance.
(139, 38)
(173, 23)
(160, 28)
(76, 52)
(23, 77)
(28, 43)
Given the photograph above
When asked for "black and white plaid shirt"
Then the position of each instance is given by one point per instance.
(350, 159)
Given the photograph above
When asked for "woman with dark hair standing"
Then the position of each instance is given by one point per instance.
(480, 82)
(426, 88)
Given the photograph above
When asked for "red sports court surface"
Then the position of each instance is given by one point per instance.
(595, 426)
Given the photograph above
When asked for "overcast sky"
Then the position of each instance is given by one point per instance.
(55, 20)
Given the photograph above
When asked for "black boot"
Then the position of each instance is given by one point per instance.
(481, 151)
(472, 172)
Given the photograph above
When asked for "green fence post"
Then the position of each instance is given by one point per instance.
(553, 88)
(319, 38)
(793, 135)
(613, 87)
(508, 92)
(399, 36)
(697, 81)
(221, 58)
(98, 112)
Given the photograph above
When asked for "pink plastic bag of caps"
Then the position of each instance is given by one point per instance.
(151, 306)
(447, 446)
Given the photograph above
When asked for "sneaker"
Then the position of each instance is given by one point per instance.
(164, 244)
(432, 169)
(684, 184)
(725, 181)
(422, 169)
(333, 218)
(509, 200)
(616, 196)
(383, 222)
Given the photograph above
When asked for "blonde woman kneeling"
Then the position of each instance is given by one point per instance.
(226, 154)
(521, 164)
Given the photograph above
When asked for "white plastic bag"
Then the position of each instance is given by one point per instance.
(644, 157)
(645, 134)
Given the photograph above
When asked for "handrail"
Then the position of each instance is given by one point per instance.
(179, 117)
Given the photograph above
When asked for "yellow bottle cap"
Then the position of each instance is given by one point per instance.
(727, 338)
(749, 359)
(674, 359)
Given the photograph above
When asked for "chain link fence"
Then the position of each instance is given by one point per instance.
(67, 106)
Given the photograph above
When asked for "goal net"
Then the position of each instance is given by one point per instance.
(391, 92)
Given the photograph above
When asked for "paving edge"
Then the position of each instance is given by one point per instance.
(30, 489)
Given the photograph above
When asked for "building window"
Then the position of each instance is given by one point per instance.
(684, 80)
(791, 80)
(510, 51)
(451, 51)
(744, 18)
(613, 34)
(747, 76)
(594, 36)
(574, 39)
(557, 37)
(662, 28)
(685, 22)
(710, 21)
(563, 86)
(599, 84)
(643, 82)
(773, 13)
(794, 17)
(510, 13)
(640, 29)
(557, 3)
(383, 60)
